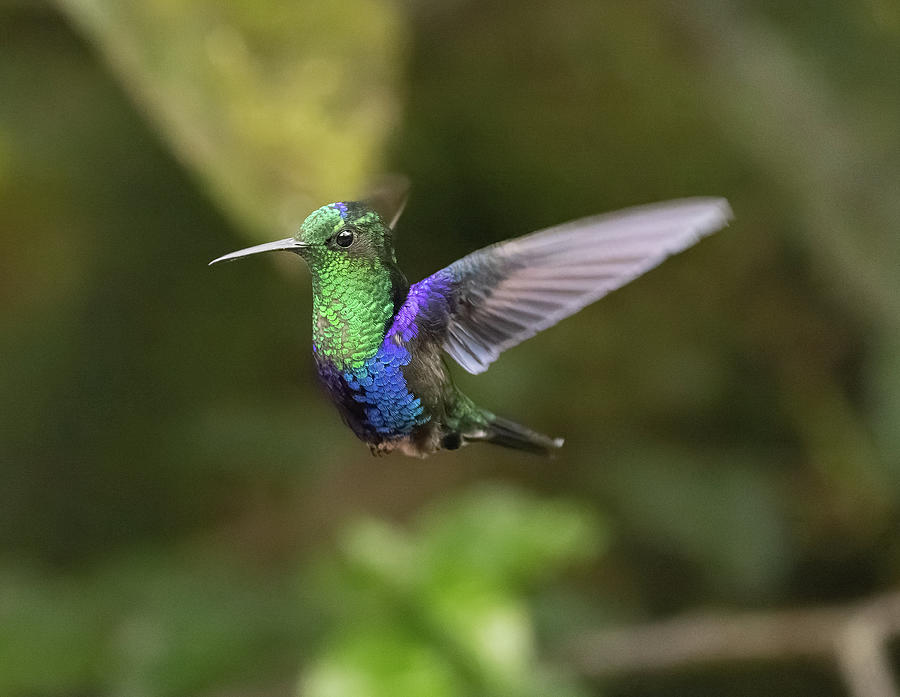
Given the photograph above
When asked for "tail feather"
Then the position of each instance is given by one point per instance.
(509, 434)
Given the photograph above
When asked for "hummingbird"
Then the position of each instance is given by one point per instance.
(379, 343)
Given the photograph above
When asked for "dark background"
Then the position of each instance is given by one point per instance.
(181, 510)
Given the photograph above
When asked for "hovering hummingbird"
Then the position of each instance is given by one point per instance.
(378, 342)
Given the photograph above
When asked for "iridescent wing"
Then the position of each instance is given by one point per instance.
(501, 295)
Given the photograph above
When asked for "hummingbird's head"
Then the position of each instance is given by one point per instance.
(341, 231)
(337, 235)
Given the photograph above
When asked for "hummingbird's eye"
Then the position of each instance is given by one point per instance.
(344, 238)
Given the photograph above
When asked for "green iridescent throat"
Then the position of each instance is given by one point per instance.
(352, 304)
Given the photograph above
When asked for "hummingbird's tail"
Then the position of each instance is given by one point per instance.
(470, 423)
(509, 434)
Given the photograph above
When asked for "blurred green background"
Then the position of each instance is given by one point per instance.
(181, 510)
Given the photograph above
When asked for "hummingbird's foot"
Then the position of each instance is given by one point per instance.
(451, 441)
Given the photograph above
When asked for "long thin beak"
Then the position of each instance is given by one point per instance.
(285, 245)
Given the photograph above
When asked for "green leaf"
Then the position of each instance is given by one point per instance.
(444, 608)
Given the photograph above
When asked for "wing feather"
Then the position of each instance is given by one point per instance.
(506, 293)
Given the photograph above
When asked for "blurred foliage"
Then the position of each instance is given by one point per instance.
(169, 470)
(442, 611)
(153, 624)
(277, 105)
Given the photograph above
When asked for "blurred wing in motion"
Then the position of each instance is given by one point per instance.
(508, 292)
(388, 197)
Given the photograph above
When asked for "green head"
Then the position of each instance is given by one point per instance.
(357, 286)
(337, 236)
